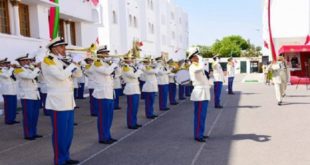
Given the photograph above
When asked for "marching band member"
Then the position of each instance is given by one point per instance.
(81, 85)
(29, 94)
(230, 75)
(117, 87)
(58, 75)
(172, 83)
(200, 95)
(103, 96)
(149, 88)
(218, 75)
(181, 86)
(90, 74)
(163, 84)
(130, 75)
(8, 91)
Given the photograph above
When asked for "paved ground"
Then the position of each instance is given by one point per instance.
(250, 130)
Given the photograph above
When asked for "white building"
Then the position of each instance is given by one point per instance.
(24, 24)
(159, 24)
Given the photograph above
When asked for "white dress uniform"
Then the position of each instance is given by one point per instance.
(218, 76)
(27, 85)
(151, 84)
(278, 79)
(90, 75)
(200, 82)
(8, 85)
(163, 75)
(59, 83)
(218, 73)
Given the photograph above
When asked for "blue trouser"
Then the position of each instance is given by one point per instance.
(81, 88)
(10, 107)
(149, 104)
(92, 103)
(62, 124)
(217, 92)
(187, 90)
(141, 83)
(75, 93)
(163, 96)
(132, 109)
(105, 118)
(118, 93)
(42, 103)
(230, 84)
(181, 92)
(31, 111)
(172, 93)
(201, 108)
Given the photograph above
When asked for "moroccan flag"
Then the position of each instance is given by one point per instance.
(54, 20)
(266, 45)
(307, 42)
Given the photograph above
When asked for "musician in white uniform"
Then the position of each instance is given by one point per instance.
(230, 75)
(89, 73)
(29, 94)
(163, 84)
(218, 76)
(130, 75)
(8, 91)
(200, 95)
(172, 83)
(60, 100)
(103, 95)
(149, 88)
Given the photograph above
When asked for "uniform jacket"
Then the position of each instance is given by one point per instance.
(117, 78)
(8, 85)
(163, 75)
(130, 76)
(27, 85)
(150, 84)
(104, 88)
(201, 91)
(90, 74)
(230, 69)
(59, 83)
(218, 73)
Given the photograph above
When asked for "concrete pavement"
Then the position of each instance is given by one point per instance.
(251, 130)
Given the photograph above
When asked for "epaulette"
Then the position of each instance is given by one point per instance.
(1, 71)
(98, 63)
(126, 68)
(148, 68)
(49, 60)
(87, 66)
(18, 70)
(196, 64)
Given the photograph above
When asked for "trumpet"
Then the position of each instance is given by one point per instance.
(92, 49)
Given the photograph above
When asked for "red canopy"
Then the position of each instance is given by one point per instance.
(294, 49)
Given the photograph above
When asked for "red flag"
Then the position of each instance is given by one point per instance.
(307, 42)
(95, 2)
(97, 40)
(266, 45)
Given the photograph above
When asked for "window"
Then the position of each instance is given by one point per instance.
(130, 20)
(114, 17)
(61, 28)
(135, 22)
(4, 17)
(72, 32)
(24, 20)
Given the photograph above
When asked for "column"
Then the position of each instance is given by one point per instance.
(68, 33)
(15, 4)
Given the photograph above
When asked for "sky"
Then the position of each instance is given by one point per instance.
(212, 19)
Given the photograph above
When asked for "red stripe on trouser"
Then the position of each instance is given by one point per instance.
(55, 138)
(26, 129)
(198, 120)
(100, 120)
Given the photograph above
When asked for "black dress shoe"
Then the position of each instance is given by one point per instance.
(12, 123)
(72, 162)
(30, 138)
(75, 124)
(38, 136)
(92, 115)
(279, 103)
(176, 103)
(132, 127)
(113, 140)
(205, 137)
(231, 93)
(165, 109)
(118, 108)
(77, 107)
(182, 98)
(138, 125)
(200, 140)
(218, 107)
(154, 116)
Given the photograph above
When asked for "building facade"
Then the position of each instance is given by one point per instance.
(159, 24)
(24, 25)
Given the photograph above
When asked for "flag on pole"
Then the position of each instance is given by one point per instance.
(54, 20)
(307, 42)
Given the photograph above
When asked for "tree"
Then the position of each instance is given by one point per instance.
(230, 46)
(205, 51)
